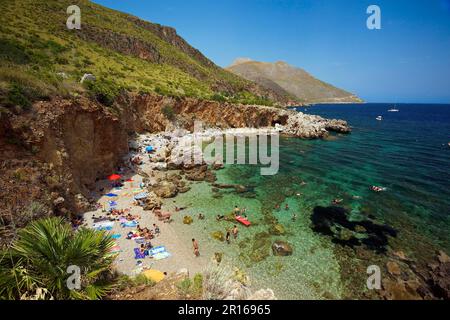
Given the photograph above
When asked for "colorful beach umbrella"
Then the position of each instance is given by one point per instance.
(114, 177)
(154, 275)
(149, 148)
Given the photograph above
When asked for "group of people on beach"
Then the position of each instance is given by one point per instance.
(146, 233)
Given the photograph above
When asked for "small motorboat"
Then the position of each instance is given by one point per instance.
(379, 118)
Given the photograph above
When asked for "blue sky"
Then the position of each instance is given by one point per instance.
(408, 60)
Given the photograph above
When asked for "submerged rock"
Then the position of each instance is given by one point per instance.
(187, 220)
(334, 222)
(277, 229)
(281, 248)
(218, 235)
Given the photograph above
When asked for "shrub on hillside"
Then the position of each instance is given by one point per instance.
(104, 91)
(168, 112)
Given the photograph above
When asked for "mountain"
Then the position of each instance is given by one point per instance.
(41, 57)
(288, 80)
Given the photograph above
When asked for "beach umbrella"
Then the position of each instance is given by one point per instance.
(114, 177)
(149, 148)
(154, 275)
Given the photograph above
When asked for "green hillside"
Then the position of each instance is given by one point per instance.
(40, 57)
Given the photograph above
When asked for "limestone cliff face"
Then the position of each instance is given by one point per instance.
(147, 115)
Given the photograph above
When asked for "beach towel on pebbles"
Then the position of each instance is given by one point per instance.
(159, 253)
(104, 225)
(130, 224)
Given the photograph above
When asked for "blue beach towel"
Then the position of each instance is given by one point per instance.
(156, 250)
(130, 224)
(111, 195)
(116, 236)
(104, 225)
(138, 254)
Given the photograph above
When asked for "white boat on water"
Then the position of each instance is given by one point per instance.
(393, 109)
(379, 118)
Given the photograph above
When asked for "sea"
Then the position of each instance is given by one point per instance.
(407, 153)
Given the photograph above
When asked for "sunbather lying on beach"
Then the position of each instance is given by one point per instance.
(131, 217)
(220, 217)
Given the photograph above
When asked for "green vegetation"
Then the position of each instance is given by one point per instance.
(41, 58)
(104, 91)
(39, 259)
(191, 287)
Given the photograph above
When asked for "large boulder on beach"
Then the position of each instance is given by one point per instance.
(281, 248)
(152, 202)
(165, 189)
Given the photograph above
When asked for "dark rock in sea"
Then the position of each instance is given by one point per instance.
(334, 222)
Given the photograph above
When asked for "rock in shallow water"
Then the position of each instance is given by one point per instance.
(334, 222)
(281, 248)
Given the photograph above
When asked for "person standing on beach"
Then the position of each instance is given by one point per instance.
(156, 228)
(228, 237)
(195, 245)
(235, 231)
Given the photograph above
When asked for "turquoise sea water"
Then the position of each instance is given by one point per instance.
(407, 153)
